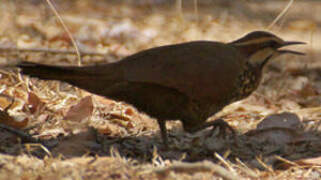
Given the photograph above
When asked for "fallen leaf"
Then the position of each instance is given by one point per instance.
(81, 110)
(34, 103)
(129, 111)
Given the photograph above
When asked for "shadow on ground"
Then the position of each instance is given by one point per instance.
(267, 144)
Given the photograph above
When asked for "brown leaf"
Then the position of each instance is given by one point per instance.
(81, 110)
(34, 102)
(129, 111)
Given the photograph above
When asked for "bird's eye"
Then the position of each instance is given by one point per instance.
(274, 44)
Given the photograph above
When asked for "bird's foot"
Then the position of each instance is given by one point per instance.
(224, 126)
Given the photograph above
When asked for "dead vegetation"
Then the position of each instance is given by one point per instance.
(80, 136)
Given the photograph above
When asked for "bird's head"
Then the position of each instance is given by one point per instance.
(260, 46)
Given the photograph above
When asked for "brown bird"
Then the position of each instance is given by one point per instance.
(188, 82)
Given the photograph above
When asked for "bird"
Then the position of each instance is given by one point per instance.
(189, 81)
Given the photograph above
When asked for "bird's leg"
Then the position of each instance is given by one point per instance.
(163, 130)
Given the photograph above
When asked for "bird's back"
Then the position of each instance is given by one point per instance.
(202, 70)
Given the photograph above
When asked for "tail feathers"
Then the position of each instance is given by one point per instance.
(48, 72)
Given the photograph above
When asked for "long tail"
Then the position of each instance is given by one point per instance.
(48, 72)
(94, 79)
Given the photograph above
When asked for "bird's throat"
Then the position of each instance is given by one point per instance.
(261, 57)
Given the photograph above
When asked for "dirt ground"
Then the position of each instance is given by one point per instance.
(71, 134)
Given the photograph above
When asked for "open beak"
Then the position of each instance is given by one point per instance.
(289, 43)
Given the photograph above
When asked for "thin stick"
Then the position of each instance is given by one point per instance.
(67, 30)
(24, 136)
(281, 14)
(49, 50)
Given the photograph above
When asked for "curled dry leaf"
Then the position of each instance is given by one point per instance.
(34, 103)
(81, 110)
(129, 111)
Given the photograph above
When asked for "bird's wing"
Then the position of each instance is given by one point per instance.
(202, 70)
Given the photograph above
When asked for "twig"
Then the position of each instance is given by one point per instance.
(67, 30)
(281, 14)
(49, 50)
(27, 138)
(224, 162)
(195, 168)
(24, 136)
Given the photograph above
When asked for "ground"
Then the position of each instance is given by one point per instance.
(82, 136)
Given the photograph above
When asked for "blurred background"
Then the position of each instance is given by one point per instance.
(107, 31)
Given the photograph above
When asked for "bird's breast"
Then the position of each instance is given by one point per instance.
(248, 81)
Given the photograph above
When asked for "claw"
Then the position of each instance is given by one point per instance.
(223, 126)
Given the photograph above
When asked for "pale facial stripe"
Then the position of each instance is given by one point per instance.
(260, 56)
(258, 41)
